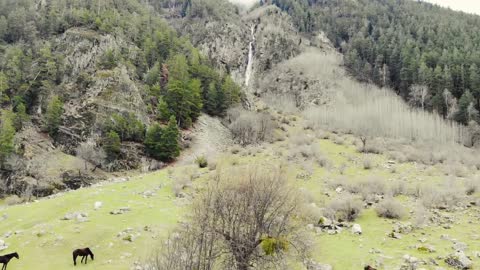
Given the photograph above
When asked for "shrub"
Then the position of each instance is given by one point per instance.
(472, 186)
(127, 126)
(374, 146)
(367, 163)
(344, 208)
(201, 161)
(366, 187)
(390, 208)
(212, 165)
(235, 150)
(181, 184)
(12, 200)
(398, 188)
(311, 213)
(250, 128)
(338, 140)
(301, 139)
(310, 153)
(112, 145)
(343, 168)
(447, 195)
(421, 216)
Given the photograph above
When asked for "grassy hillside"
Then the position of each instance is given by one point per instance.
(45, 241)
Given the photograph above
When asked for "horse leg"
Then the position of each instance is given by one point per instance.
(74, 259)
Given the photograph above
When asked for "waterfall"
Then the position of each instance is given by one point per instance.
(248, 72)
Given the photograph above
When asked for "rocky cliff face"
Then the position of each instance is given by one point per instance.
(277, 66)
(91, 94)
(226, 40)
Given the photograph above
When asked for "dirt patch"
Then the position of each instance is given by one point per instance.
(209, 137)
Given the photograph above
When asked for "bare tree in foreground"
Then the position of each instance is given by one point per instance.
(244, 219)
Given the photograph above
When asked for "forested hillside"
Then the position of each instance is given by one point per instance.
(106, 80)
(429, 55)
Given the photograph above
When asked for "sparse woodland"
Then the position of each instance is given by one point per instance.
(427, 54)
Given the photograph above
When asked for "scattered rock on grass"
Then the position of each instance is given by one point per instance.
(459, 260)
(356, 229)
(97, 205)
(3, 245)
(459, 246)
(313, 265)
(79, 216)
(395, 235)
(425, 248)
(120, 211)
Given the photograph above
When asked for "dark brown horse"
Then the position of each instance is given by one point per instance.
(83, 252)
(6, 258)
(368, 267)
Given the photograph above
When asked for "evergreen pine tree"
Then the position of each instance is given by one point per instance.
(162, 143)
(7, 134)
(153, 140)
(463, 114)
(21, 116)
(111, 145)
(163, 113)
(170, 136)
(53, 117)
(3, 87)
(474, 82)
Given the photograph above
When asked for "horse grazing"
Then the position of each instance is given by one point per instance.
(6, 258)
(83, 252)
(368, 267)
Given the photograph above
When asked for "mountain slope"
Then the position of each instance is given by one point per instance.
(96, 76)
(428, 54)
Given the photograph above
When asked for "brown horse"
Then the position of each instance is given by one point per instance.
(6, 258)
(83, 252)
(368, 267)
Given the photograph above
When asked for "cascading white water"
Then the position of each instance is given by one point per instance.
(248, 72)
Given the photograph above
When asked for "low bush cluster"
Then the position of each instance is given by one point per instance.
(390, 208)
(250, 127)
(344, 208)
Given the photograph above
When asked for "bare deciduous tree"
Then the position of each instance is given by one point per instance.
(250, 128)
(245, 218)
(418, 95)
(89, 152)
(450, 102)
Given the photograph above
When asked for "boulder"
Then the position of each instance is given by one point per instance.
(120, 211)
(313, 265)
(3, 245)
(459, 246)
(395, 235)
(425, 248)
(97, 205)
(356, 229)
(79, 216)
(459, 260)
